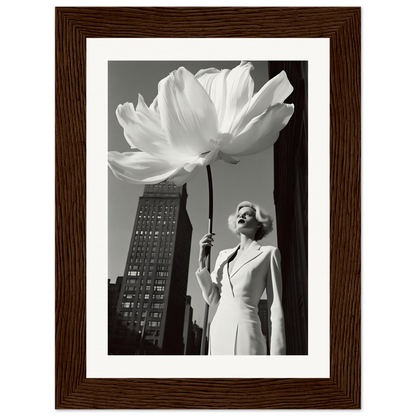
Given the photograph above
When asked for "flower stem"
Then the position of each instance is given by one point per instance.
(210, 199)
(208, 262)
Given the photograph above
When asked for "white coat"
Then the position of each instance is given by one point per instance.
(236, 327)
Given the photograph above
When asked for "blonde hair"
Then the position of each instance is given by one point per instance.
(262, 217)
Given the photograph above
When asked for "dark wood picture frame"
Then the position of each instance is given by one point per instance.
(343, 389)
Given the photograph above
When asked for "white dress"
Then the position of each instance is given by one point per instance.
(236, 327)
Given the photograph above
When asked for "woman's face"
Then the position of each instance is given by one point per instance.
(246, 221)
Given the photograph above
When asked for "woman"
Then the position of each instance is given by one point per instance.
(237, 283)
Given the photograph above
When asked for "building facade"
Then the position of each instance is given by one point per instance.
(291, 200)
(113, 295)
(151, 305)
(188, 334)
(264, 315)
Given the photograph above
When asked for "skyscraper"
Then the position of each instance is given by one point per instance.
(151, 305)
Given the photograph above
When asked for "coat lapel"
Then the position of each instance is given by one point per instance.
(229, 255)
(250, 254)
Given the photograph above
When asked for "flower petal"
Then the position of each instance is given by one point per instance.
(182, 176)
(140, 167)
(240, 87)
(275, 91)
(187, 114)
(262, 132)
(142, 128)
(227, 158)
(203, 160)
(214, 82)
(155, 105)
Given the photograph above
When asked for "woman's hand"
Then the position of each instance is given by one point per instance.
(204, 246)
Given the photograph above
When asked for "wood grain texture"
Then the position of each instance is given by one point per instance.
(73, 389)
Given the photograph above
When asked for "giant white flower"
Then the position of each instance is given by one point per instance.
(198, 119)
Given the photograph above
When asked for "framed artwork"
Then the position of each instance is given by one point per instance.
(95, 54)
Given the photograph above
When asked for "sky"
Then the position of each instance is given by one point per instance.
(249, 180)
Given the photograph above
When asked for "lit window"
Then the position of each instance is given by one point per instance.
(130, 295)
(157, 296)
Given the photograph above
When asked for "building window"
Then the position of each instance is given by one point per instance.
(157, 296)
(127, 304)
(129, 295)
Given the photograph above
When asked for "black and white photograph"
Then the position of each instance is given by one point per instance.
(208, 208)
(202, 205)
